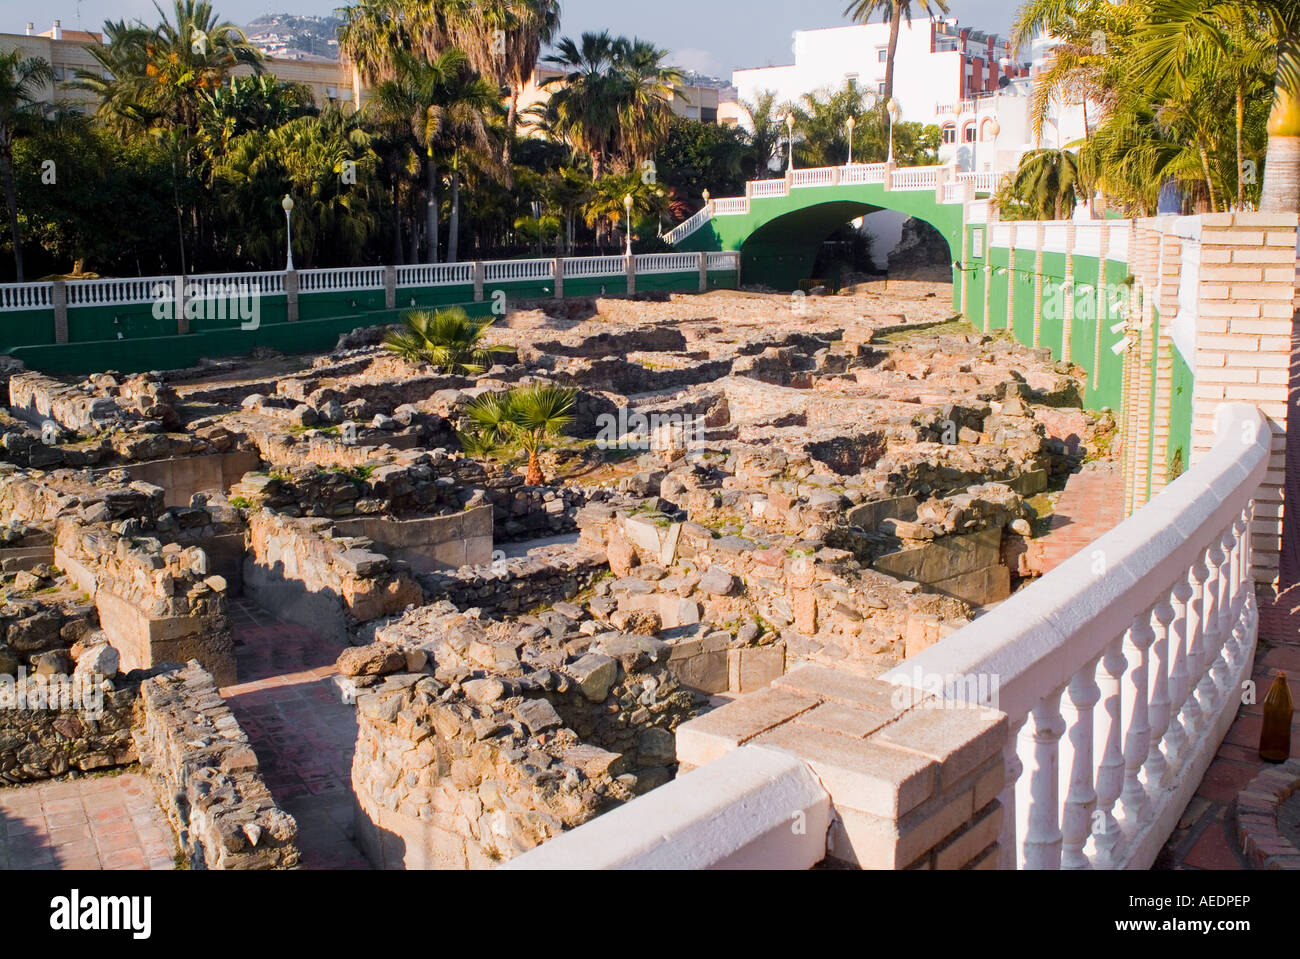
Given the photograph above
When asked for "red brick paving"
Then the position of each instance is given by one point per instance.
(101, 822)
(1091, 504)
(304, 736)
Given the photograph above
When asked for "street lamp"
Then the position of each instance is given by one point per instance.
(851, 123)
(627, 205)
(895, 111)
(789, 125)
(287, 203)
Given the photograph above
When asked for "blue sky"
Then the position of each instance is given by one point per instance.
(713, 36)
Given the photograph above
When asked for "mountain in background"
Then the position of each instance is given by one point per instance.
(289, 37)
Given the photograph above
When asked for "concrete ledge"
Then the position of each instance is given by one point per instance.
(755, 808)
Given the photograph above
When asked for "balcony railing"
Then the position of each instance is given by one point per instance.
(1120, 671)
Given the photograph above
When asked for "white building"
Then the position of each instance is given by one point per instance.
(938, 63)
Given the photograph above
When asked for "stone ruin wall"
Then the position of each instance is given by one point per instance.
(481, 754)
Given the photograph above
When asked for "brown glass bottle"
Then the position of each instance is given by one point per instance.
(1275, 734)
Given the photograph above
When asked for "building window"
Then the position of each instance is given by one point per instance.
(949, 133)
(880, 88)
(968, 133)
(331, 93)
(709, 114)
(882, 55)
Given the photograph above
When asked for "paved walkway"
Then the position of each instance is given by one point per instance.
(304, 736)
(99, 822)
(1091, 504)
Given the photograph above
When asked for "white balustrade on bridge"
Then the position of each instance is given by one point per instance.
(731, 206)
(759, 189)
(984, 181)
(916, 178)
(859, 173)
(816, 176)
(726, 260)
(1121, 669)
(689, 226)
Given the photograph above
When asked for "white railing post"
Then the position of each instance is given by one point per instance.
(1176, 737)
(1039, 789)
(1156, 767)
(1110, 772)
(1076, 758)
(1137, 730)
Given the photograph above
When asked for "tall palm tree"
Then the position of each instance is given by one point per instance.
(1047, 184)
(897, 10)
(647, 91)
(504, 38)
(21, 81)
(765, 130)
(419, 92)
(467, 107)
(584, 107)
(1171, 23)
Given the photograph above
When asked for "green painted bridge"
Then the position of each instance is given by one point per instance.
(779, 225)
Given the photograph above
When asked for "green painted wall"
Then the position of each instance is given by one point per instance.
(1180, 415)
(27, 327)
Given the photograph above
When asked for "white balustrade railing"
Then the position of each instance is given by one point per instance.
(726, 260)
(1121, 669)
(954, 193)
(985, 181)
(769, 188)
(731, 206)
(118, 291)
(859, 173)
(594, 266)
(341, 280)
(435, 274)
(815, 176)
(916, 178)
(25, 296)
(667, 262)
(221, 284)
(508, 271)
(689, 226)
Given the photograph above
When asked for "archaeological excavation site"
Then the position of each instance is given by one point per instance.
(334, 621)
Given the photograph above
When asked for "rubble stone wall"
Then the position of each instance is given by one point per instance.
(208, 778)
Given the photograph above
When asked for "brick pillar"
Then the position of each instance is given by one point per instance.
(1244, 352)
(630, 266)
(1171, 264)
(182, 320)
(390, 287)
(480, 273)
(59, 300)
(557, 268)
(913, 787)
(291, 295)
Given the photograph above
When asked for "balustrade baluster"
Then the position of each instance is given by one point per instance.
(1039, 792)
(1137, 730)
(1155, 769)
(1218, 669)
(1179, 642)
(1077, 764)
(1206, 651)
(1010, 851)
(1110, 772)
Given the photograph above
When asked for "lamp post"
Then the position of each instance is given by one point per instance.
(627, 206)
(706, 198)
(895, 111)
(287, 203)
(789, 139)
(851, 123)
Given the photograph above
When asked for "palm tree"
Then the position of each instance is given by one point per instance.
(446, 339)
(1046, 184)
(863, 10)
(527, 417)
(157, 76)
(375, 32)
(647, 91)
(419, 93)
(765, 130)
(504, 38)
(21, 81)
(1171, 24)
(468, 101)
(584, 109)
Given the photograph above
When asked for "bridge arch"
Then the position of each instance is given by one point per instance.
(780, 225)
